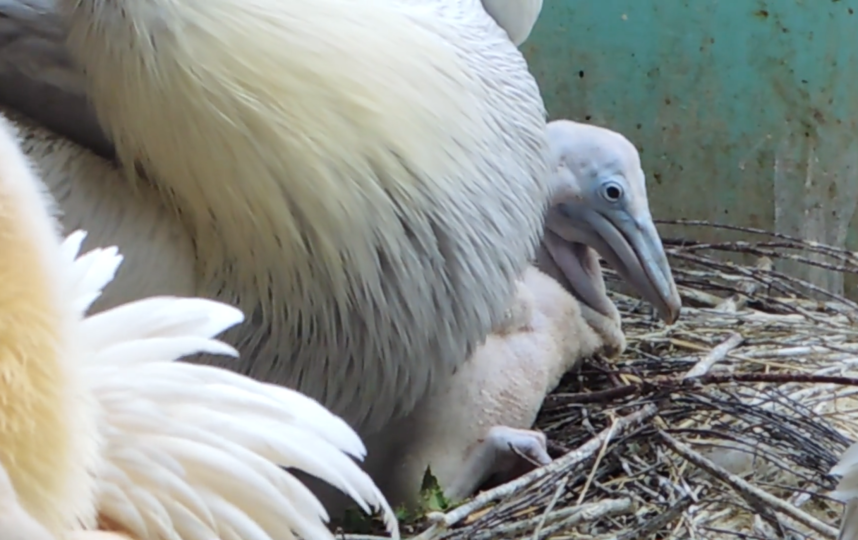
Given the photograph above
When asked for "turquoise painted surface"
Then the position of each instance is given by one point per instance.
(744, 111)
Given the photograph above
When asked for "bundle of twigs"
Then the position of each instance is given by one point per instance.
(722, 426)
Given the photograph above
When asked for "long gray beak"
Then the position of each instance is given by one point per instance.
(576, 266)
(631, 246)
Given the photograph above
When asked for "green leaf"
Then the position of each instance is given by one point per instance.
(431, 494)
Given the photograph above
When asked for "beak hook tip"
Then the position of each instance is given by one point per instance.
(672, 311)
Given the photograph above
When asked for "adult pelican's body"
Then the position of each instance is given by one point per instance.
(102, 430)
(366, 180)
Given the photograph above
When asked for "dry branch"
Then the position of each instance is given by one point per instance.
(716, 355)
(752, 494)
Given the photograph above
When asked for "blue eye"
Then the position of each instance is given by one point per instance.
(612, 192)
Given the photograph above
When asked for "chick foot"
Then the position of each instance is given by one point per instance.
(505, 453)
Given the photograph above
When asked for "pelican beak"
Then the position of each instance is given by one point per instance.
(629, 243)
(576, 267)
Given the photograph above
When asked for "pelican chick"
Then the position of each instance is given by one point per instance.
(599, 200)
(479, 424)
(102, 431)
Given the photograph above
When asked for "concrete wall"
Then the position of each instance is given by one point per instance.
(744, 112)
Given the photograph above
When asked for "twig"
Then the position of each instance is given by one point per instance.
(763, 528)
(807, 244)
(596, 463)
(715, 355)
(749, 492)
(700, 297)
(736, 301)
(589, 513)
(671, 384)
(563, 518)
(442, 522)
(659, 521)
(561, 487)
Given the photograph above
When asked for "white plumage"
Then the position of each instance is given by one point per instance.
(95, 196)
(178, 450)
(365, 180)
(198, 446)
(480, 425)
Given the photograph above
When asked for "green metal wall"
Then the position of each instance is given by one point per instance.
(744, 111)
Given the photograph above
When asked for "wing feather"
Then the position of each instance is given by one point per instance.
(89, 273)
(194, 452)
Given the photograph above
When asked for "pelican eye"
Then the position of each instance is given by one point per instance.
(612, 192)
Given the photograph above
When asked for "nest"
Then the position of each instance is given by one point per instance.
(724, 426)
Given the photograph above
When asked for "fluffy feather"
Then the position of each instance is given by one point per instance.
(94, 195)
(504, 383)
(364, 179)
(99, 421)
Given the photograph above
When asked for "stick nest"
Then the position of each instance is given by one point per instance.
(723, 426)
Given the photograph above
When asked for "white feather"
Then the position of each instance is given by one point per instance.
(194, 452)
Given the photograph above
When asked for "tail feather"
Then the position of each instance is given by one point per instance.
(847, 467)
(197, 452)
